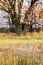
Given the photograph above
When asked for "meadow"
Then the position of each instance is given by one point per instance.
(21, 50)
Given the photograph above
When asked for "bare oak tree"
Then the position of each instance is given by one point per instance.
(18, 11)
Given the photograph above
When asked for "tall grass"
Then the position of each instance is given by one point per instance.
(20, 56)
(21, 50)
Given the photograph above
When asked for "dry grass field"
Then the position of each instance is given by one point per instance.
(21, 50)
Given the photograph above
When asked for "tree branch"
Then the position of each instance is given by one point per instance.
(4, 9)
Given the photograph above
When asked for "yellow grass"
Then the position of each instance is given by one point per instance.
(21, 50)
(30, 39)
